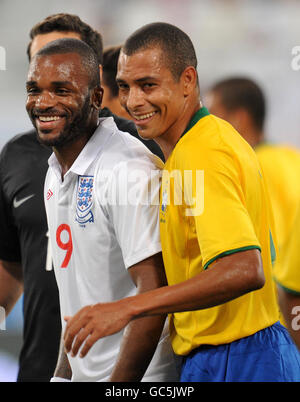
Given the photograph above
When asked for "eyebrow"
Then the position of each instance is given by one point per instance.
(148, 78)
(54, 83)
(30, 83)
(61, 83)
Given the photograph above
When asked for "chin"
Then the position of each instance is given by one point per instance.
(48, 139)
(146, 135)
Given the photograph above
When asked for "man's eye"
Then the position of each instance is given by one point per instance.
(31, 91)
(61, 91)
(122, 86)
(148, 85)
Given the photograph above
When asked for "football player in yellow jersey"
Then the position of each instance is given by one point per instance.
(287, 275)
(241, 102)
(216, 230)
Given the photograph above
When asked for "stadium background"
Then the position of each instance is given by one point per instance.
(231, 37)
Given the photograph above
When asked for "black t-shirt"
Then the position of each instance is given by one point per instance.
(23, 238)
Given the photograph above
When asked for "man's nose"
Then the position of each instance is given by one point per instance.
(135, 98)
(45, 100)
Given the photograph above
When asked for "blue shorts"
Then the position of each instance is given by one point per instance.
(267, 356)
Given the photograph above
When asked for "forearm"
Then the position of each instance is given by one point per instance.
(63, 368)
(223, 282)
(11, 284)
(139, 343)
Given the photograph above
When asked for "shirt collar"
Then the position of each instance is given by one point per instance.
(91, 150)
(196, 117)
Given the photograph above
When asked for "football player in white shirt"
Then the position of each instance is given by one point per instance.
(102, 200)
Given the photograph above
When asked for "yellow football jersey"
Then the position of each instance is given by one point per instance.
(287, 271)
(281, 168)
(214, 203)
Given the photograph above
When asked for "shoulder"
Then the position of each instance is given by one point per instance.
(270, 150)
(121, 123)
(211, 142)
(23, 155)
(122, 148)
(21, 143)
(129, 127)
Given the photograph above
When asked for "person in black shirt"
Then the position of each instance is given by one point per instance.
(25, 264)
(109, 84)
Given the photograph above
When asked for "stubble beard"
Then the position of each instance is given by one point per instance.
(72, 131)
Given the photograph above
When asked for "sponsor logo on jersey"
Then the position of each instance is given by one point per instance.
(49, 194)
(18, 203)
(164, 203)
(84, 201)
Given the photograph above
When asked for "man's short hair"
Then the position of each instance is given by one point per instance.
(70, 45)
(69, 23)
(177, 48)
(110, 68)
(242, 92)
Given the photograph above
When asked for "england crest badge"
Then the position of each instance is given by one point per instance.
(84, 201)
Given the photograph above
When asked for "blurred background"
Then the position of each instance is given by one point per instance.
(231, 37)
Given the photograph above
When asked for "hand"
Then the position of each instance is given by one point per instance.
(92, 323)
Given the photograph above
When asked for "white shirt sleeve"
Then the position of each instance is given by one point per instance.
(131, 202)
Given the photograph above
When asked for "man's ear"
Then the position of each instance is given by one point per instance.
(189, 79)
(100, 72)
(97, 98)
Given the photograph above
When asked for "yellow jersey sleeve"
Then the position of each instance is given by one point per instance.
(287, 271)
(223, 225)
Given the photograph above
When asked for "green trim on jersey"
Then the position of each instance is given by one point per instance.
(194, 120)
(272, 249)
(288, 290)
(236, 250)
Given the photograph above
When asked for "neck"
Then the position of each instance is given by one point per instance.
(66, 154)
(253, 136)
(168, 140)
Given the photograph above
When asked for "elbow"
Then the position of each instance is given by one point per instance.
(250, 271)
(259, 280)
(256, 273)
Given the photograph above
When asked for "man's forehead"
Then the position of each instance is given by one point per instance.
(63, 64)
(148, 59)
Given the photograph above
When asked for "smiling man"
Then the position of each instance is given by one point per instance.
(61, 123)
(100, 250)
(218, 259)
(25, 258)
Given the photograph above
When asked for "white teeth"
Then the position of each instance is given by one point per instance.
(49, 118)
(145, 116)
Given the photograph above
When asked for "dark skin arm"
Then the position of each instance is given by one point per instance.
(63, 368)
(11, 284)
(290, 307)
(228, 278)
(141, 336)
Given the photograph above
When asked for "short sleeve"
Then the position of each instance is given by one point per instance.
(287, 269)
(9, 241)
(223, 223)
(132, 206)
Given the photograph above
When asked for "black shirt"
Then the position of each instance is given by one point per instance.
(23, 238)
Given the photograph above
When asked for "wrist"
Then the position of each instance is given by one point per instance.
(134, 306)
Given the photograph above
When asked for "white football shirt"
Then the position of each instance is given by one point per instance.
(101, 223)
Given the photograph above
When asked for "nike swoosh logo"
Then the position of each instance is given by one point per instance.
(17, 203)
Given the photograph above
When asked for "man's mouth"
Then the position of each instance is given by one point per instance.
(48, 122)
(49, 118)
(142, 118)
